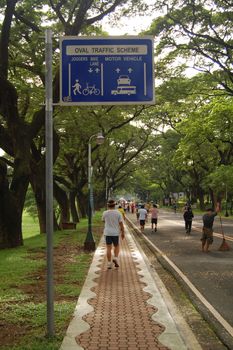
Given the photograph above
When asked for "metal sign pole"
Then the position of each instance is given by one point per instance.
(49, 178)
(89, 243)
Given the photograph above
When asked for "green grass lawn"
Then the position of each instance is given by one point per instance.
(23, 285)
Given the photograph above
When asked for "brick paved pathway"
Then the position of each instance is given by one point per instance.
(122, 317)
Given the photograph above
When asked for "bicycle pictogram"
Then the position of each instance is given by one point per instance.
(90, 90)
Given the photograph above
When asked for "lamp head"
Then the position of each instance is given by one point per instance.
(99, 138)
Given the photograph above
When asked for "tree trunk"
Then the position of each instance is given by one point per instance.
(10, 214)
(73, 208)
(218, 199)
(231, 206)
(200, 196)
(212, 197)
(193, 196)
(100, 201)
(37, 180)
(39, 194)
(82, 204)
(40, 198)
(63, 202)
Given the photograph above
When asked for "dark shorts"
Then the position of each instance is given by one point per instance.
(154, 221)
(112, 240)
(142, 222)
(207, 235)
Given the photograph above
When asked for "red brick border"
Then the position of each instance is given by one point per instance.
(122, 318)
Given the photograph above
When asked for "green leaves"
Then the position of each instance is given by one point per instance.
(199, 31)
(221, 179)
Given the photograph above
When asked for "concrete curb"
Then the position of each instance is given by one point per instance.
(201, 306)
(170, 337)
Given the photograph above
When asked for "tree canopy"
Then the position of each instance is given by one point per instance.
(182, 143)
(22, 79)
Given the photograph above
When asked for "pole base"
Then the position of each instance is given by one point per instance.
(89, 246)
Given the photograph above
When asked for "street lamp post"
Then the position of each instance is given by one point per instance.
(89, 243)
(226, 213)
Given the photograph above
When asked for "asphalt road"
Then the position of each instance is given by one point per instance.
(211, 273)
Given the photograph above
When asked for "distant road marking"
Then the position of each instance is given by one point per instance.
(214, 312)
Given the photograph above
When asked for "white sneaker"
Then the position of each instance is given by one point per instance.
(109, 265)
(115, 261)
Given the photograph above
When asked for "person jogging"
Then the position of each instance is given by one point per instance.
(121, 210)
(188, 217)
(154, 217)
(207, 231)
(142, 217)
(113, 226)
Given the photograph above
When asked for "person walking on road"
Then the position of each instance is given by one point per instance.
(142, 217)
(188, 217)
(175, 207)
(185, 208)
(121, 210)
(137, 213)
(207, 231)
(113, 226)
(154, 217)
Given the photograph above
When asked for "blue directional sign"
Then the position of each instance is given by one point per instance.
(111, 70)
